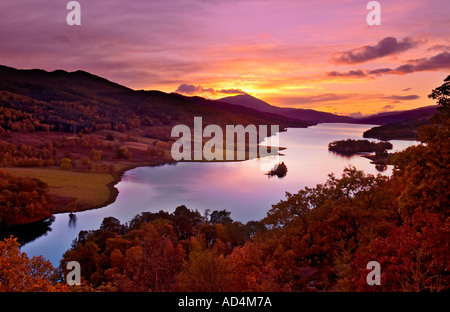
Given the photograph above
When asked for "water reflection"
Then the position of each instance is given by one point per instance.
(28, 232)
(72, 220)
(343, 155)
(381, 167)
(280, 170)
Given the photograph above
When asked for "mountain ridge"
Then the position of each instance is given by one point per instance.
(384, 118)
(65, 99)
(309, 115)
(164, 108)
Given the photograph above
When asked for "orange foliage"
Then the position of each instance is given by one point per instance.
(18, 273)
(22, 200)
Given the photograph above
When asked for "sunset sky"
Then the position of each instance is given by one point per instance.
(307, 54)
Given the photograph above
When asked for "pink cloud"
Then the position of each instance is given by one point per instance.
(386, 46)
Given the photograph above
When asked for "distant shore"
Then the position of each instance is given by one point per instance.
(75, 191)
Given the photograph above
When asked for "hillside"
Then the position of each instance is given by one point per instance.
(401, 125)
(247, 111)
(249, 101)
(407, 130)
(405, 122)
(422, 113)
(64, 100)
(84, 128)
(309, 115)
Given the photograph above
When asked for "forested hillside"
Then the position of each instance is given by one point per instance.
(398, 125)
(23, 200)
(64, 100)
(79, 122)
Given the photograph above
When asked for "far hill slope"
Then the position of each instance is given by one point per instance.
(309, 115)
(79, 132)
(407, 130)
(402, 125)
(422, 113)
(249, 101)
(64, 100)
(247, 111)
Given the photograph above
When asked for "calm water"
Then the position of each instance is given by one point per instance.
(239, 187)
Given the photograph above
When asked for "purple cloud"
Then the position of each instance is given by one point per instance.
(191, 90)
(352, 73)
(186, 89)
(379, 71)
(232, 91)
(385, 47)
(437, 62)
(402, 97)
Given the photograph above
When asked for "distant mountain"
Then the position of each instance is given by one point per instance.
(422, 113)
(62, 100)
(249, 101)
(315, 116)
(413, 115)
(407, 130)
(309, 115)
(401, 125)
(246, 111)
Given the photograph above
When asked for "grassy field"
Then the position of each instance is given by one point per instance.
(72, 190)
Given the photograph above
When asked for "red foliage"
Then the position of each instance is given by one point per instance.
(414, 257)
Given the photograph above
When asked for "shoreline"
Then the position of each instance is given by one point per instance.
(113, 192)
(71, 203)
(73, 195)
(72, 191)
(117, 177)
(78, 182)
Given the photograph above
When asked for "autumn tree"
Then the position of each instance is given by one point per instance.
(23, 200)
(205, 269)
(423, 171)
(413, 257)
(442, 95)
(221, 216)
(186, 222)
(66, 163)
(153, 264)
(257, 267)
(18, 273)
